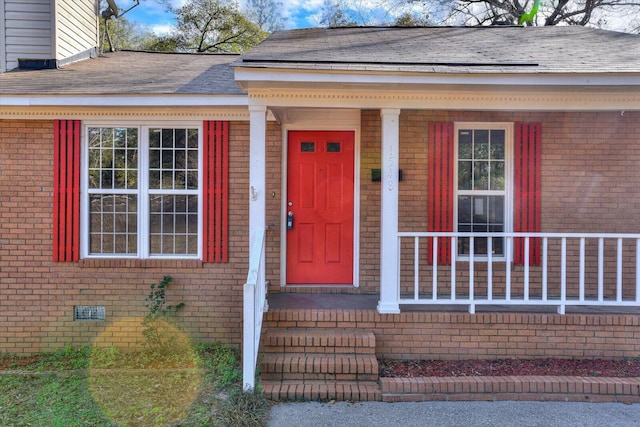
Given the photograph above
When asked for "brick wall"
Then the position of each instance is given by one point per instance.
(590, 179)
(459, 336)
(37, 296)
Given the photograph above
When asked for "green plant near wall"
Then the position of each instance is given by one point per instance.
(158, 337)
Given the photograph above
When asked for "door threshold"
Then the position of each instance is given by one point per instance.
(318, 285)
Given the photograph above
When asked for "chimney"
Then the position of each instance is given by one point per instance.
(42, 34)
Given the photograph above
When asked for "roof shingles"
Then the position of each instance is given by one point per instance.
(130, 73)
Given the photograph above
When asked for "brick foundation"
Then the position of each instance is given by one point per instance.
(451, 336)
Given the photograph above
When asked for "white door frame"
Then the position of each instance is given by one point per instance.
(321, 120)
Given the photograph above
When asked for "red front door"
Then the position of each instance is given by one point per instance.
(320, 188)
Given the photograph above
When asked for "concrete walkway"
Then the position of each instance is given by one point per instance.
(443, 414)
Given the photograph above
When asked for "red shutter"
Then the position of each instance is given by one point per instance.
(440, 186)
(216, 191)
(527, 171)
(66, 191)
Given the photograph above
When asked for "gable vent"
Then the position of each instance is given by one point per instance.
(88, 313)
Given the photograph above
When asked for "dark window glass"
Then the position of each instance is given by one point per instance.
(333, 147)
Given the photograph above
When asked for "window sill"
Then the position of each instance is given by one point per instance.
(139, 263)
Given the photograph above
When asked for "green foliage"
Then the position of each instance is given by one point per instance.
(105, 358)
(55, 400)
(160, 340)
(48, 401)
(222, 361)
(156, 301)
(215, 26)
(243, 409)
(266, 14)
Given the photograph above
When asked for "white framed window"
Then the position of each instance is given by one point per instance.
(483, 183)
(141, 191)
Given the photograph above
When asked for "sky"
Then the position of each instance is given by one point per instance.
(153, 13)
(298, 13)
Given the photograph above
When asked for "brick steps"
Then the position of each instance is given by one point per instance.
(319, 364)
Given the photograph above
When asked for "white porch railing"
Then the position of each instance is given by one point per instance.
(255, 305)
(574, 269)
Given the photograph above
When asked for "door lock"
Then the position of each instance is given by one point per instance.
(290, 220)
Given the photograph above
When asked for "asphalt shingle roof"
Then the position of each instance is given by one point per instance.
(362, 49)
(130, 73)
(451, 50)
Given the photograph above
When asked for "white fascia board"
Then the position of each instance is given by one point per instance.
(247, 78)
(124, 101)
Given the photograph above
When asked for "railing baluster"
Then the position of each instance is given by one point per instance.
(471, 271)
(545, 250)
(454, 252)
(619, 272)
(416, 267)
(434, 275)
(509, 241)
(600, 269)
(637, 270)
(526, 269)
(490, 268)
(563, 275)
(581, 279)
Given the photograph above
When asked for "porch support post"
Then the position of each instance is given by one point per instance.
(389, 277)
(257, 221)
(257, 170)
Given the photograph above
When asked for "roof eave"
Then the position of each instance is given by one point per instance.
(251, 77)
(107, 100)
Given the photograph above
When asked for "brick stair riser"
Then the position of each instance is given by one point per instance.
(318, 341)
(267, 349)
(339, 364)
(318, 376)
(322, 391)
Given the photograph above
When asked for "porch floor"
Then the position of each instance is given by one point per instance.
(293, 300)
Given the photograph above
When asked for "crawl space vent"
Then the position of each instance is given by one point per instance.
(88, 313)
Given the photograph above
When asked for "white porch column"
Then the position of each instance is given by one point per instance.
(389, 277)
(257, 170)
(257, 221)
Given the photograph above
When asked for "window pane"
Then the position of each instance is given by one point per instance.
(113, 158)
(464, 211)
(173, 159)
(481, 144)
(192, 140)
(496, 210)
(497, 144)
(465, 145)
(333, 147)
(497, 176)
(464, 175)
(481, 175)
(174, 224)
(480, 214)
(112, 224)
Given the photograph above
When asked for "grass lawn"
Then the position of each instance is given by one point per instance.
(82, 387)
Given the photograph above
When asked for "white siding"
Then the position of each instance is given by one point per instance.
(28, 31)
(46, 29)
(77, 27)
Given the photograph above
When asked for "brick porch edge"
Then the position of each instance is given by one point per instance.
(532, 388)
